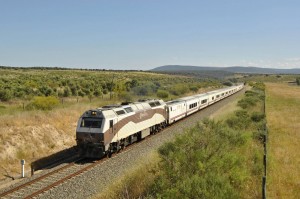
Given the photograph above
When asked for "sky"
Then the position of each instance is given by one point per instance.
(144, 34)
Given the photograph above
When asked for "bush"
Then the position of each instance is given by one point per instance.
(125, 96)
(201, 164)
(194, 89)
(43, 103)
(257, 117)
(67, 92)
(227, 84)
(162, 94)
(298, 81)
(240, 121)
(179, 89)
(5, 95)
(247, 102)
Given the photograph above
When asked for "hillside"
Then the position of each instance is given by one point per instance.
(232, 69)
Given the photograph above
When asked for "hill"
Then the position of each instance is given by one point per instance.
(226, 70)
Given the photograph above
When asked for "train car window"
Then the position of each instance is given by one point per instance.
(111, 123)
(203, 101)
(128, 109)
(91, 122)
(218, 96)
(157, 103)
(152, 104)
(120, 112)
(213, 98)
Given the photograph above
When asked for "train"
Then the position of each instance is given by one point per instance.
(106, 130)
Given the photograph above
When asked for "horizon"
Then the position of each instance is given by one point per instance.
(109, 69)
(135, 35)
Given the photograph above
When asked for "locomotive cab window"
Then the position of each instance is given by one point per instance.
(152, 104)
(120, 112)
(128, 110)
(91, 122)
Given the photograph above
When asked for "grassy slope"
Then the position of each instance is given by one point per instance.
(283, 117)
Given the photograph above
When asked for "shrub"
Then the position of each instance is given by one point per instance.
(45, 90)
(125, 96)
(43, 103)
(240, 121)
(257, 117)
(298, 81)
(81, 93)
(247, 102)
(5, 95)
(194, 89)
(201, 164)
(142, 90)
(179, 89)
(162, 94)
(67, 92)
(227, 83)
(97, 92)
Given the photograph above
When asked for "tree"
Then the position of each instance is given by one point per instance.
(227, 83)
(67, 92)
(162, 94)
(298, 81)
(5, 95)
(97, 92)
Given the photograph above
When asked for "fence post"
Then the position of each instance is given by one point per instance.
(22, 168)
(264, 196)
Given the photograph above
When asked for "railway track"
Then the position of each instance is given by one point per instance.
(45, 182)
(54, 178)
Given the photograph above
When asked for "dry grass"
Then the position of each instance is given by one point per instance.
(31, 135)
(283, 117)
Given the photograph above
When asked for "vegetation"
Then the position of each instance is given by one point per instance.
(211, 160)
(43, 103)
(21, 87)
(26, 83)
(283, 116)
(39, 108)
(298, 80)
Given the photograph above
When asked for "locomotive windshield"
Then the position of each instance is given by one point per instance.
(91, 122)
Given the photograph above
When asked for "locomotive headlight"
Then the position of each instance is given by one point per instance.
(94, 113)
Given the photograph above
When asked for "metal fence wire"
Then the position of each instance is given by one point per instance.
(264, 178)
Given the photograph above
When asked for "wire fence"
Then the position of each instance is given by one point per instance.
(264, 178)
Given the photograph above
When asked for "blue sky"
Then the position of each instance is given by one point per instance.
(143, 34)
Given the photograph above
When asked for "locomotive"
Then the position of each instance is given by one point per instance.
(108, 129)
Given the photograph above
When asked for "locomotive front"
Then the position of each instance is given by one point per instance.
(89, 134)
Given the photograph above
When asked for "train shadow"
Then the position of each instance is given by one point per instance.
(65, 156)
